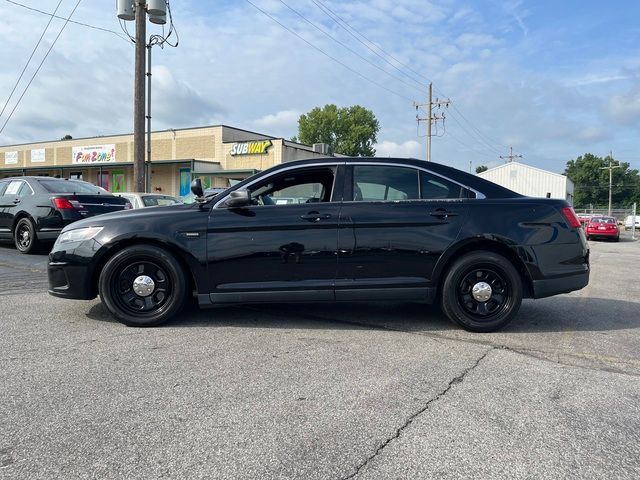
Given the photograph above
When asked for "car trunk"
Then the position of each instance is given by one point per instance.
(91, 205)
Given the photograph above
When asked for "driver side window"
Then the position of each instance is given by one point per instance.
(310, 185)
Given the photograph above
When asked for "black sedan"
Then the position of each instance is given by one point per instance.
(357, 229)
(36, 209)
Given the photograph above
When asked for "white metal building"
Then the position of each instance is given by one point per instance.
(530, 181)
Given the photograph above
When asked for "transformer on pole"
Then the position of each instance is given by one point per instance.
(138, 10)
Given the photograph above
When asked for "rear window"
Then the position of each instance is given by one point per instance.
(603, 220)
(70, 186)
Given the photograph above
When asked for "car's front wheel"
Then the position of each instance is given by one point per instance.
(24, 236)
(143, 286)
(481, 292)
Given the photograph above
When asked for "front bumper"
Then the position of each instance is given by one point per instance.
(68, 281)
(70, 270)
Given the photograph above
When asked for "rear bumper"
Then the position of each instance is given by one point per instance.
(565, 284)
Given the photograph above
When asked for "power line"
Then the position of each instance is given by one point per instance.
(340, 21)
(346, 46)
(70, 21)
(326, 54)
(355, 34)
(26, 65)
(39, 66)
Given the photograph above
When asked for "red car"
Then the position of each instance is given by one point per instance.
(602, 227)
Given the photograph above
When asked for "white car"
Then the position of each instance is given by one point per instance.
(628, 222)
(141, 200)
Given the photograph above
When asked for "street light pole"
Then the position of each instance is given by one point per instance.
(139, 98)
(138, 10)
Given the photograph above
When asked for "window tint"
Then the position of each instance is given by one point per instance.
(303, 186)
(434, 187)
(70, 186)
(25, 190)
(373, 183)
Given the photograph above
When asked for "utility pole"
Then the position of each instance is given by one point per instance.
(139, 97)
(431, 119)
(509, 158)
(610, 168)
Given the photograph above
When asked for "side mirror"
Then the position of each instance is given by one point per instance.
(239, 198)
(196, 188)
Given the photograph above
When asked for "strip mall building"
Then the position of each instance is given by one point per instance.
(220, 155)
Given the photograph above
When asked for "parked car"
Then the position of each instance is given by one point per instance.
(35, 209)
(602, 227)
(370, 229)
(142, 200)
(629, 221)
(190, 198)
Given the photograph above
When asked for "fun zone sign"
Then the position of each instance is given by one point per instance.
(94, 154)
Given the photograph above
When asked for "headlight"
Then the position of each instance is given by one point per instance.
(79, 234)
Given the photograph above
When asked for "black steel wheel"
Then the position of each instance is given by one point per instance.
(142, 286)
(482, 291)
(24, 236)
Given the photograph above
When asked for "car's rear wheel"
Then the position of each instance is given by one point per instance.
(24, 236)
(481, 292)
(143, 286)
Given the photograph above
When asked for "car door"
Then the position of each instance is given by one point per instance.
(5, 204)
(10, 203)
(401, 221)
(282, 246)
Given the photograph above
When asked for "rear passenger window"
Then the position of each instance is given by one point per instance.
(25, 190)
(3, 187)
(373, 183)
(434, 187)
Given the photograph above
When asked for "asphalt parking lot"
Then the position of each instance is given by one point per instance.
(366, 391)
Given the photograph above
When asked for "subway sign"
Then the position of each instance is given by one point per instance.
(251, 148)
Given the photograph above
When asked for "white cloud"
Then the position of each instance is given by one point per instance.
(625, 109)
(410, 148)
(281, 123)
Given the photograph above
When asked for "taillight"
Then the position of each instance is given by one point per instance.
(571, 217)
(62, 204)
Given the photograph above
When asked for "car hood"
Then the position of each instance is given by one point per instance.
(149, 214)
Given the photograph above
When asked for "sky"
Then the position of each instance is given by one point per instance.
(552, 79)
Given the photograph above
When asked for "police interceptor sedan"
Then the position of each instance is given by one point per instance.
(351, 229)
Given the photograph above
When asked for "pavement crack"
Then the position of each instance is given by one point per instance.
(454, 381)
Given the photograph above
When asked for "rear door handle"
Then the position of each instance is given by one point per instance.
(443, 214)
(16, 201)
(315, 216)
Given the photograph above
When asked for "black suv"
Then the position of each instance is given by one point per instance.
(350, 229)
(36, 209)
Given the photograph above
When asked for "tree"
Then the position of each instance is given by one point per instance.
(348, 130)
(67, 137)
(591, 182)
(481, 168)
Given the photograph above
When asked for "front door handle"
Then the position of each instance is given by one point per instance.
(442, 213)
(16, 201)
(315, 216)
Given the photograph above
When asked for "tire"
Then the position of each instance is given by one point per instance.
(132, 304)
(479, 315)
(588, 237)
(24, 236)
